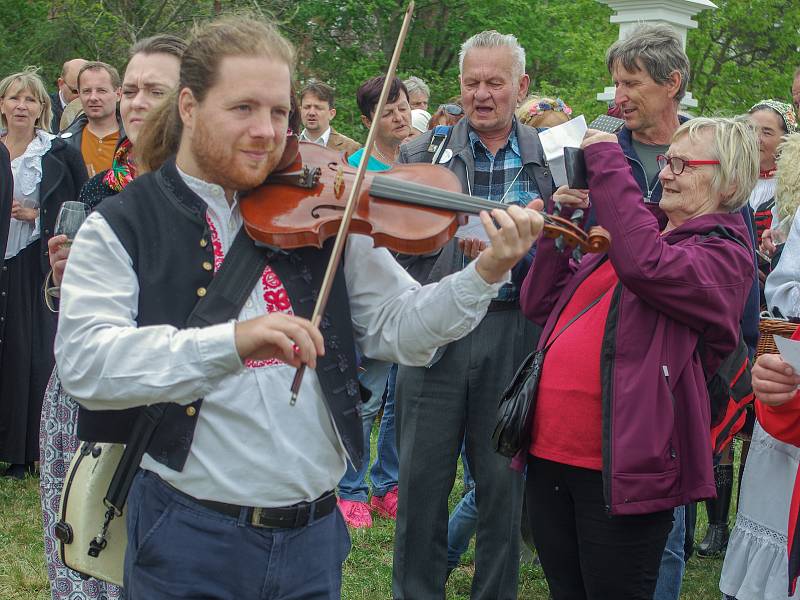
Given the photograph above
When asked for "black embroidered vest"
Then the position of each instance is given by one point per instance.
(162, 225)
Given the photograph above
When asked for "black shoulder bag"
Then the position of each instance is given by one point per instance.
(515, 412)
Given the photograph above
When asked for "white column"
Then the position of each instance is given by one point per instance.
(675, 13)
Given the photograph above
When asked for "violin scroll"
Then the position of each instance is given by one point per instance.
(569, 235)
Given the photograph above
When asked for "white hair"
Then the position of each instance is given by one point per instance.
(495, 39)
(734, 144)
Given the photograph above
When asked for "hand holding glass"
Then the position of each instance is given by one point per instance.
(70, 218)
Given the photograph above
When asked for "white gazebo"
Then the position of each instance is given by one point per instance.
(675, 13)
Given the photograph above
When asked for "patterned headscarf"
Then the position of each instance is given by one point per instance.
(785, 111)
(123, 169)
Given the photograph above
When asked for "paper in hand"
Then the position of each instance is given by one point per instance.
(555, 139)
(473, 230)
(790, 351)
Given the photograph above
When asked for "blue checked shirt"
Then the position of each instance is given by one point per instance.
(500, 177)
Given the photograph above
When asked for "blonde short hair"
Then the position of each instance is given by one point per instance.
(734, 143)
(29, 80)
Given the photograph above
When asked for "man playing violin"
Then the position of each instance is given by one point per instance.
(455, 397)
(234, 496)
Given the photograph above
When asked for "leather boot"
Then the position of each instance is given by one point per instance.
(716, 540)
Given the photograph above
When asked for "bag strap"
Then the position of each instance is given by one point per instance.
(439, 140)
(573, 319)
(227, 293)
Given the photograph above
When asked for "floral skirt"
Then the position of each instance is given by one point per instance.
(57, 444)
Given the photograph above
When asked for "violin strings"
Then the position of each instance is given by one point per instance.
(400, 190)
(392, 188)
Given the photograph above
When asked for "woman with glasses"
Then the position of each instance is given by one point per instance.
(447, 114)
(621, 427)
(46, 173)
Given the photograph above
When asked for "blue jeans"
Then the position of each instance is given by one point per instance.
(181, 550)
(383, 475)
(460, 528)
(673, 563)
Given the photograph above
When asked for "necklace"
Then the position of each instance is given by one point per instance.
(384, 158)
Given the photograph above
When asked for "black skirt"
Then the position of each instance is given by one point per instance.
(27, 332)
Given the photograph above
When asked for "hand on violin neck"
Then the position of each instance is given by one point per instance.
(293, 340)
(518, 229)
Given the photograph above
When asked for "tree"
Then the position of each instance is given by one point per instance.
(744, 51)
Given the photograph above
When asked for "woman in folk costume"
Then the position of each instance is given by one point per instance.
(774, 120)
(151, 75)
(46, 173)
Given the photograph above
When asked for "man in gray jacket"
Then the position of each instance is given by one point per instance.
(455, 398)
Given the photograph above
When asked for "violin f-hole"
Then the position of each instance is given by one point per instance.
(319, 207)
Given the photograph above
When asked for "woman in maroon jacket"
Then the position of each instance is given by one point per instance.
(620, 434)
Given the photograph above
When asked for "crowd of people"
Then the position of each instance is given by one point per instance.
(618, 451)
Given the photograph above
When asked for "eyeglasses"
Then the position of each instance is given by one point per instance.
(678, 164)
(452, 109)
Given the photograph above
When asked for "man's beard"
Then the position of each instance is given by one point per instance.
(219, 162)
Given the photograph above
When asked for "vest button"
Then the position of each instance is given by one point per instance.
(203, 242)
(191, 411)
(201, 291)
(208, 266)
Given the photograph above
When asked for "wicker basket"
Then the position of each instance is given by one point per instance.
(768, 329)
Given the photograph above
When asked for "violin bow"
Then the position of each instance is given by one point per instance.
(352, 200)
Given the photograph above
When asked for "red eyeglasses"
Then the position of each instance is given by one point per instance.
(678, 164)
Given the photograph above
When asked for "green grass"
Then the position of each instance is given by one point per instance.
(367, 572)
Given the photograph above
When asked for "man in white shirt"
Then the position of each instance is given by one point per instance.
(67, 90)
(234, 496)
(316, 112)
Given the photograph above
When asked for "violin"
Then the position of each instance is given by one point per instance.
(411, 208)
(313, 195)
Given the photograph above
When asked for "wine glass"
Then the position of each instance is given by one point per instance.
(70, 217)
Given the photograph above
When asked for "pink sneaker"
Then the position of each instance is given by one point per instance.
(356, 514)
(385, 506)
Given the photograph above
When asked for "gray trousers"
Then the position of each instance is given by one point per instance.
(438, 407)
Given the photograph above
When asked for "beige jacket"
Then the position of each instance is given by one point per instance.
(342, 143)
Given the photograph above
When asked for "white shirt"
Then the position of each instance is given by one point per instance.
(250, 447)
(321, 140)
(782, 289)
(26, 171)
(764, 190)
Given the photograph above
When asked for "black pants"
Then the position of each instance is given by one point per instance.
(585, 553)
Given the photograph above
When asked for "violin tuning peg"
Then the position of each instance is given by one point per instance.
(577, 216)
(577, 254)
(560, 244)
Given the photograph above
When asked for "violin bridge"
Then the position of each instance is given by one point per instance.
(338, 183)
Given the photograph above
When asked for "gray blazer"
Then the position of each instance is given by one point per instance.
(449, 259)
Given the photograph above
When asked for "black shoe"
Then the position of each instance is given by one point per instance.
(15, 471)
(715, 541)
